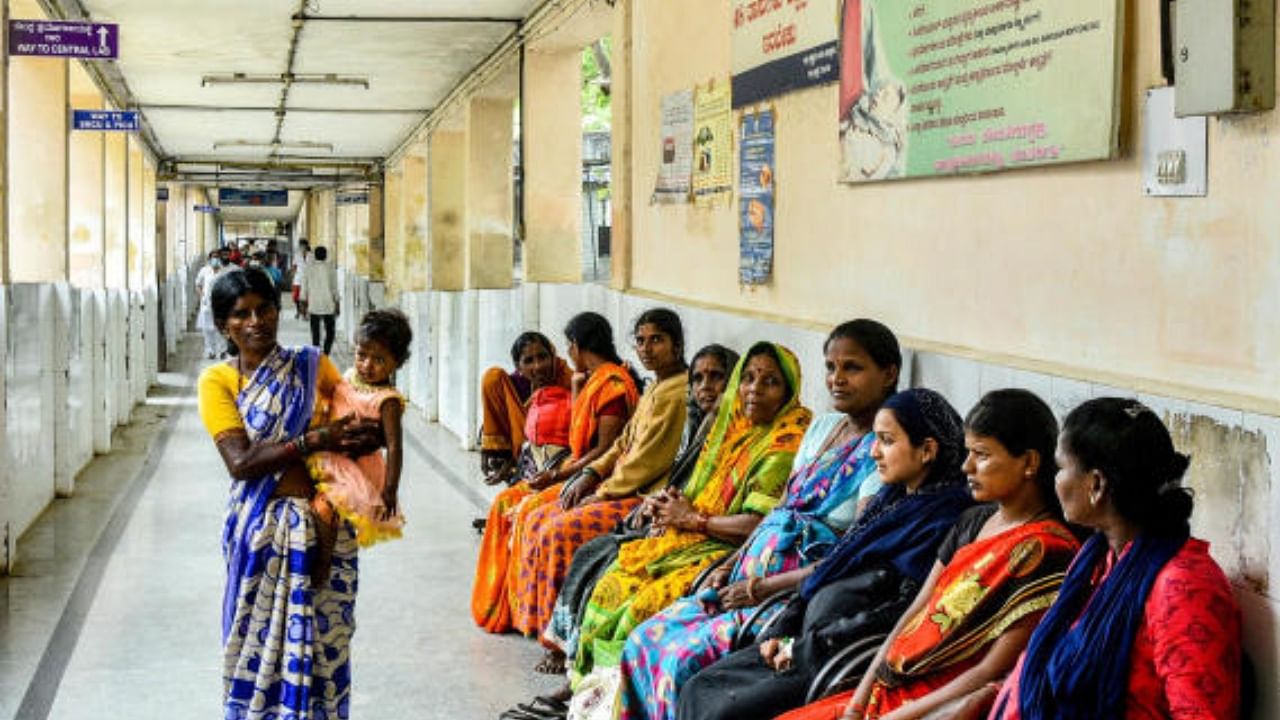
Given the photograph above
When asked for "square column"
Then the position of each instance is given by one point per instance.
(85, 192)
(37, 170)
(490, 195)
(414, 219)
(393, 229)
(115, 216)
(552, 122)
(448, 192)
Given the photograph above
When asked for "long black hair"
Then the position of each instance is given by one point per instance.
(1020, 421)
(390, 327)
(591, 332)
(231, 286)
(1129, 444)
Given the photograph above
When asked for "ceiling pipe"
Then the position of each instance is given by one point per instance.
(407, 19)
(272, 109)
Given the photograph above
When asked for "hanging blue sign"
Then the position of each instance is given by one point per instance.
(352, 198)
(206, 208)
(109, 120)
(64, 38)
(253, 198)
(162, 194)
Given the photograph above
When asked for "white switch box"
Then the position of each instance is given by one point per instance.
(1224, 56)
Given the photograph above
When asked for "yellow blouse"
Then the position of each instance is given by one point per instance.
(220, 384)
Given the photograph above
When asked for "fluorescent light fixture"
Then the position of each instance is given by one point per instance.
(274, 146)
(285, 79)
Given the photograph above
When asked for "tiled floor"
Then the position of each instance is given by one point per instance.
(144, 642)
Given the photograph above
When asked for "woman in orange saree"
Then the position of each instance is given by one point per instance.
(604, 397)
(505, 399)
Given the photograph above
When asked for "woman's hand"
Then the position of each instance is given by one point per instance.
(673, 510)
(718, 577)
(776, 653)
(857, 706)
(739, 595)
(390, 503)
(349, 435)
(544, 479)
(580, 489)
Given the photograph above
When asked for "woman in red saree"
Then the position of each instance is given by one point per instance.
(996, 574)
(506, 398)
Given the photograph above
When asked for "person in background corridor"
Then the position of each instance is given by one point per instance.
(299, 269)
(320, 294)
(213, 343)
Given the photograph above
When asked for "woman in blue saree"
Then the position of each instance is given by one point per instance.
(285, 635)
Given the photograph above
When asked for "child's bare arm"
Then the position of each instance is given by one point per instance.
(391, 411)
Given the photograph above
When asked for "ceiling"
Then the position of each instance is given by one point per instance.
(297, 134)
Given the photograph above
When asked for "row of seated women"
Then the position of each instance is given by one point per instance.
(1013, 569)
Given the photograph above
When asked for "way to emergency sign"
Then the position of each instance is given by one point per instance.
(111, 120)
(64, 38)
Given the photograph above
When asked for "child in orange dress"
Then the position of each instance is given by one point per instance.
(364, 491)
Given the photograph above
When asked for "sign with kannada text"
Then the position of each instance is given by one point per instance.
(64, 38)
(237, 197)
(111, 120)
(960, 86)
(782, 45)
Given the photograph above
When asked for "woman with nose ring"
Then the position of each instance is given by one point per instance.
(285, 636)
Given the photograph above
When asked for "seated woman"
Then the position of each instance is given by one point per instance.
(603, 399)
(708, 377)
(997, 572)
(739, 478)
(833, 475)
(864, 584)
(606, 491)
(505, 400)
(1145, 625)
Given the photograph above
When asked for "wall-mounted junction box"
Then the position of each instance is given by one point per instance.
(1224, 54)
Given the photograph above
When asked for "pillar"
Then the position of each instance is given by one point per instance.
(551, 122)
(622, 177)
(134, 213)
(414, 219)
(37, 169)
(86, 241)
(490, 250)
(448, 192)
(375, 233)
(393, 229)
(115, 216)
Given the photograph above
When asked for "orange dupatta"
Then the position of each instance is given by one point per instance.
(606, 384)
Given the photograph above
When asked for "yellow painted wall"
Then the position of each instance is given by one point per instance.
(1069, 267)
(37, 168)
(414, 219)
(149, 246)
(84, 188)
(136, 210)
(393, 228)
(115, 206)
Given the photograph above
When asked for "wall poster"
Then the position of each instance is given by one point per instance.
(951, 86)
(782, 45)
(712, 143)
(676, 170)
(757, 183)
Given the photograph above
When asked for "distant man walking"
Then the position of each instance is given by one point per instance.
(299, 267)
(320, 293)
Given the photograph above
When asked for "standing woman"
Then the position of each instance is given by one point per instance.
(604, 396)
(285, 641)
(1146, 625)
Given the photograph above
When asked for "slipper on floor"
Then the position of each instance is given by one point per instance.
(518, 714)
(546, 704)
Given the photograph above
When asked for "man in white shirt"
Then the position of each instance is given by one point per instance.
(320, 293)
(213, 342)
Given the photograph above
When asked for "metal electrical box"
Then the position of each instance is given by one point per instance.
(1225, 56)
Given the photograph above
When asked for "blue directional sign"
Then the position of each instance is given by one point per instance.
(110, 120)
(206, 208)
(238, 197)
(352, 198)
(162, 194)
(64, 38)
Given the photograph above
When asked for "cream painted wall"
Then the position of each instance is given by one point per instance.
(552, 122)
(414, 219)
(37, 168)
(149, 246)
(490, 250)
(115, 210)
(1069, 269)
(448, 187)
(136, 229)
(393, 227)
(84, 187)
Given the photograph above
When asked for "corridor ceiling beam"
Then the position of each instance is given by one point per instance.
(272, 109)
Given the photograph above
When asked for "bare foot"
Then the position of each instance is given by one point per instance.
(551, 664)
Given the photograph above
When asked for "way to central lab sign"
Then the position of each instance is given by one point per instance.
(63, 38)
(111, 120)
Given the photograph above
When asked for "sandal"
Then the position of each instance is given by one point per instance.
(545, 704)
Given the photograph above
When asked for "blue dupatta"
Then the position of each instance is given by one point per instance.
(276, 405)
(797, 532)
